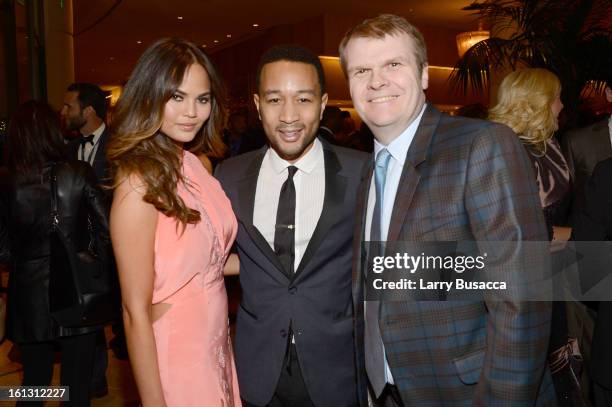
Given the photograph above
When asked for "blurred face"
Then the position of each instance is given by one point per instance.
(385, 83)
(609, 94)
(189, 107)
(556, 108)
(71, 113)
(290, 107)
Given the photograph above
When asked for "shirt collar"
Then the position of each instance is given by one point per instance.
(398, 148)
(97, 133)
(309, 162)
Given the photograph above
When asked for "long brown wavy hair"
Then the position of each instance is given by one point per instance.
(137, 146)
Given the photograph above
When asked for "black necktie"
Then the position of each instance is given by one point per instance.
(284, 236)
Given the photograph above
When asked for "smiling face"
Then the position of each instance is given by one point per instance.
(290, 107)
(189, 107)
(386, 83)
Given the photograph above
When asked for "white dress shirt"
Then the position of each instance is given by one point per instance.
(309, 183)
(398, 149)
(91, 149)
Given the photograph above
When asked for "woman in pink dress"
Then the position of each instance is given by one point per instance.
(171, 228)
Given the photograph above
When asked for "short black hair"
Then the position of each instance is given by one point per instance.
(291, 53)
(90, 95)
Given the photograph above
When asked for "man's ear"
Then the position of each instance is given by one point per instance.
(425, 77)
(89, 112)
(324, 99)
(256, 101)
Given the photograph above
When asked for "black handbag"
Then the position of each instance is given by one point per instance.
(80, 286)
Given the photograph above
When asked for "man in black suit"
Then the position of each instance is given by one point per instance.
(583, 149)
(295, 204)
(84, 111)
(595, 224)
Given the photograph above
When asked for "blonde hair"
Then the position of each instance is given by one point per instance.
(524, 104)
(381, 26)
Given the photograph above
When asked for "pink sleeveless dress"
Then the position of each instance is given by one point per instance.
(194, 351)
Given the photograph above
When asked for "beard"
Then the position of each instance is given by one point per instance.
(75, 123)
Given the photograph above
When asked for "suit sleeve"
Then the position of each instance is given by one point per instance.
(504, 209)
(593, 222)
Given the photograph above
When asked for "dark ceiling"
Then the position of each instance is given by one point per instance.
(107, 48)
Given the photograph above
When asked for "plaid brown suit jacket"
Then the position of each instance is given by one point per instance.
(463, 180)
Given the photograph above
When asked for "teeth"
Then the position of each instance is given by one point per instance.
(383, 99)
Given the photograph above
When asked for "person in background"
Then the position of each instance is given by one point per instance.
(172, 228)
(331, 125)
(529, 102)
(83, 112)
(35, 145)
(595, 224)
(583, 149)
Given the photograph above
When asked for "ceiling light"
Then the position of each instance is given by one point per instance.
(204, 45)
(229, 35)
(216, 41)
(466, 40)
(138, 42)
(180, 17)
(255, 25)
(112, 58)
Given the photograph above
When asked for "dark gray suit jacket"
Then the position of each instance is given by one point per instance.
(315, 302)
(583, 149)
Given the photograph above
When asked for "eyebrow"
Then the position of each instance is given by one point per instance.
(180, 92)
(385, 62)
(275, 91)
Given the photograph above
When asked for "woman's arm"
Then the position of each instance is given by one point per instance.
(133, 223)
(232, 265)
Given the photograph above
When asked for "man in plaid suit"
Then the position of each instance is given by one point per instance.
(441, 178)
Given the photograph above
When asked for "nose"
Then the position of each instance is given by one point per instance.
(289, 113)
(377, 79)
(191, 108)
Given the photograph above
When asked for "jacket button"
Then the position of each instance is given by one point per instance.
(293, 290)
(283, 333)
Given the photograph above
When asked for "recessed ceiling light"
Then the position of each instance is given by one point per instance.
(229, 35)
(204, 45)
(255, 25)
(138, 42)
(216, 41)
(180, 17)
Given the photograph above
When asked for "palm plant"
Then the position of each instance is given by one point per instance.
(571, 38)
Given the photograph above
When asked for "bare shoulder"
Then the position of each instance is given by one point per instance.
(128, 200)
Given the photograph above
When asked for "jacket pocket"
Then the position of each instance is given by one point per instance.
(469, 366)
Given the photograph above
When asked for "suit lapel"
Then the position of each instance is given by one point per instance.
(359, 232)
(411, 175)
(246, 204)
(335, 188)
